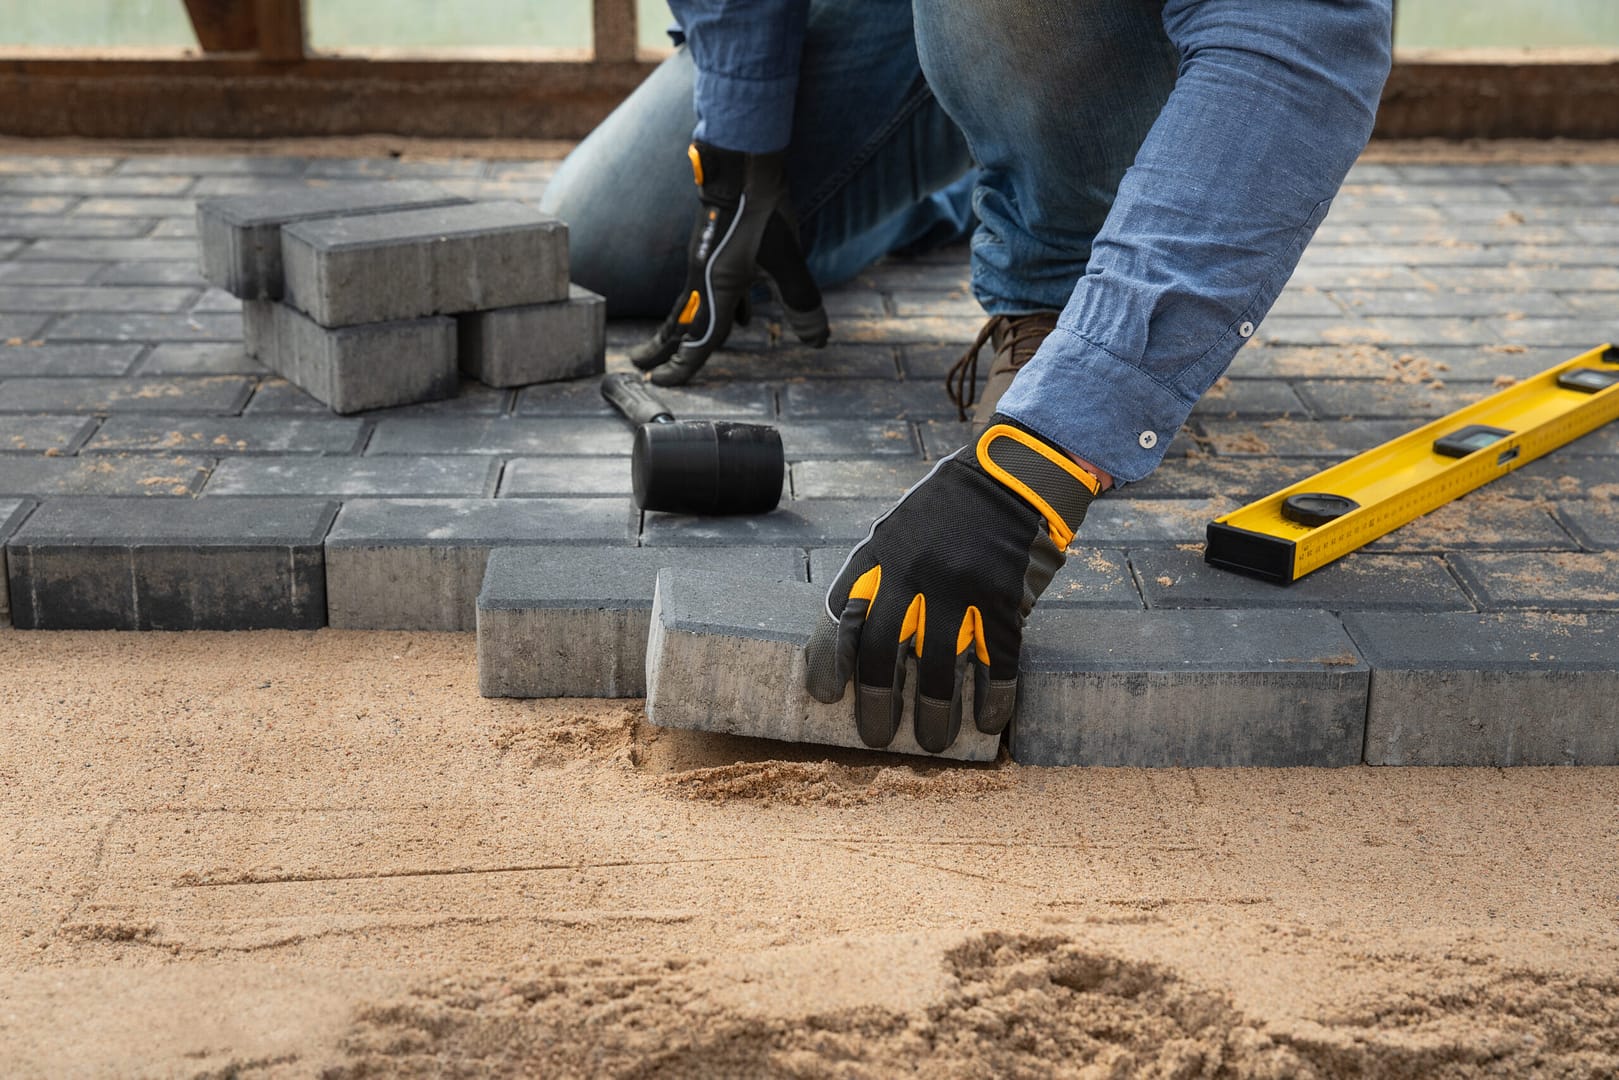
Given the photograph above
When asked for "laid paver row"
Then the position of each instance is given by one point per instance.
(413, 563)
(1115, 688)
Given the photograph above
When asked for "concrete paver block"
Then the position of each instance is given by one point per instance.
(536, 343)
(573, 621)
(1518, 688)
(538, 476)
(1172, 578)
(727, 655)
(699, 401)
(353, 477)
(12, 512)
(240, 235)
(1188, 688)
(277, 396)
(218, 395)
(411, 263)
(38, 360)
(1544, 580)
(140, 475)
(812, 523)
(44, 434)
(170, 564)
(418, 564)
(354, 368)
(228, 435)
(502, 435)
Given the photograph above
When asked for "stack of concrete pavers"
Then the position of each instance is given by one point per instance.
(369, 296)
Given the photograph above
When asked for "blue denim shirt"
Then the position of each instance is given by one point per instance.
(747, 55)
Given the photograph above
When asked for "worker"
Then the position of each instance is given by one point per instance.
(1140, 178)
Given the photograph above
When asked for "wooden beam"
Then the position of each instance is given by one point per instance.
(280, 29)
(614, 30)
(1501, 93)
(224, 25)
(1449, 95)
(246, 97)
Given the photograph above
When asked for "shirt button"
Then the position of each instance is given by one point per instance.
(1246, 329)
(1148, 440)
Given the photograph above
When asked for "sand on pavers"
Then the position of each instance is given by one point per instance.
(281, 853)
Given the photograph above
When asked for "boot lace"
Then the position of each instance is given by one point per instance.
(961, 381)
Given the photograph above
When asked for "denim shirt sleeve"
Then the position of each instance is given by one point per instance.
(747, 56)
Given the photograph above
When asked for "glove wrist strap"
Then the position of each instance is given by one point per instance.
(1041, 474)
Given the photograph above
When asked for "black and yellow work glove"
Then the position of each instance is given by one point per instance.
(949, 576)
(744, 232)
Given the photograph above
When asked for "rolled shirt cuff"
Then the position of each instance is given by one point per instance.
(751, 116)
(1081, 397)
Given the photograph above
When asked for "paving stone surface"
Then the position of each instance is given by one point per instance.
(12, 512)
(728, 656)
(1531, 688)
(1189, 688)
(417, 564)
(1426, 287)
(573, 621)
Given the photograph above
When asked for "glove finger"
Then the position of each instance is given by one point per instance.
(658, 348)
(830, 655)
(879, 674)
(995, 683)
(781, 258)
(693, 353)
(940, 664)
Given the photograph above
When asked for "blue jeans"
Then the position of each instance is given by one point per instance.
(1152, 170)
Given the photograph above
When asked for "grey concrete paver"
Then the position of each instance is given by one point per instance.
(214, 395)
(51, 360)
(1173, 578)
(140, 475)
(227, 434)
(418, 564)
(1530, 688)
(1189, 688)
(573, 621)
(170, 564)
(719, 659)
(349, 477)
(44, 434)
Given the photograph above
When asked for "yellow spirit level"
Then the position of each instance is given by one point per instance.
(1286, 535)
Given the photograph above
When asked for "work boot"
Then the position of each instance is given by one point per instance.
(1014, 339)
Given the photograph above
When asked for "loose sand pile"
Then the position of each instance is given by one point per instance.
(323, 854)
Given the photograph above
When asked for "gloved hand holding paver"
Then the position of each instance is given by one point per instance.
(1139, 180)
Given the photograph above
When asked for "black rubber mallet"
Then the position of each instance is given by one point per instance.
(696, 466)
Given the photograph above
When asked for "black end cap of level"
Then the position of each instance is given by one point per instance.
(1269, 558)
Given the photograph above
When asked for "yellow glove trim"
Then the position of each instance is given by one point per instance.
(972, 633)
(865, 586)
(916, 619)
(689, 312)
(1061, 534)
(696, 163)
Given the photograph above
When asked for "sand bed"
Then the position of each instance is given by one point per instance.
(324, 854)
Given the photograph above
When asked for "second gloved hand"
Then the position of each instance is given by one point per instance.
(948, 576)
(744, 233)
